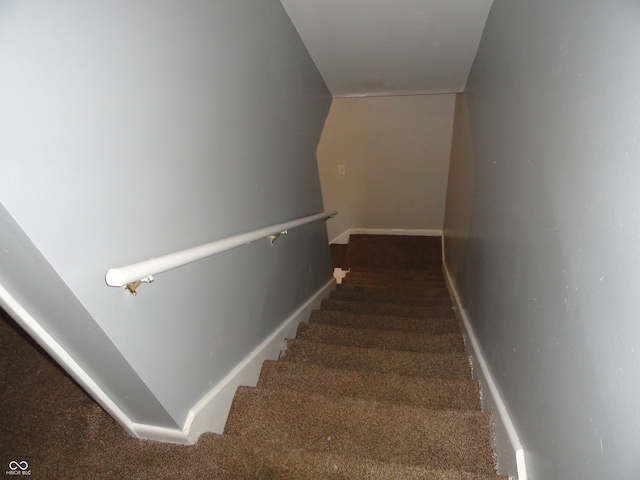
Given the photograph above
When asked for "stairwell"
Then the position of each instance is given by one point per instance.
(375, 385)
(378, 375)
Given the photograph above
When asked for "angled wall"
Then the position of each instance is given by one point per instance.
(135, 129)
(541, 228)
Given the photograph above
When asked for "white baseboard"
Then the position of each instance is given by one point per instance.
(344, 236)
(210, 413)
(510, 454)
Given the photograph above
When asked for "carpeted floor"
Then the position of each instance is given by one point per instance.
(375, 385)
(338, 252)
(394, 252)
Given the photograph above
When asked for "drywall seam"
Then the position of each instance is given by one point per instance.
(509, 450)
(59, 354)
(211, 412)
(344, 236)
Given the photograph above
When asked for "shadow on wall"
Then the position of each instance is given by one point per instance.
(460, 191)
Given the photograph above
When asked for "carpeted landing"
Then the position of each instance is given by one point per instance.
(376, 385)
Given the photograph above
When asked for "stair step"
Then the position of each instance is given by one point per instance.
(405, 279)
(314, 379)
(416, 301)
(427, 284)
(415, 275)
(451, 366)
(385, 322)
(395, 290)
(393, 251)
(438, 439)
(388, 309)
(238, 458)
(392, 290)
(381, 339)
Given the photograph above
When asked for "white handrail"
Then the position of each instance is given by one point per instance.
(121, 276)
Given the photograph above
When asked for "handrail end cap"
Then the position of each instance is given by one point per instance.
(114, 278)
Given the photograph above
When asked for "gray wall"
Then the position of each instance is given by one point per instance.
(542, 230)
(134, 129)
(32, 283)
(396, 152)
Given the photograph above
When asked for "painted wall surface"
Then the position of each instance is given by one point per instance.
(379, 48)
(542, 228)
(396, 154)
(135, 129)
(31, 281)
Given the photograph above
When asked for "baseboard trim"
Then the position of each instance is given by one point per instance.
(211, 412)
(344, 236)
(509, 450)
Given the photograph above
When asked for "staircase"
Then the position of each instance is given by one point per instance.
(375, 385)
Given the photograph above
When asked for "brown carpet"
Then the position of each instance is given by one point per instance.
(375, 386)
(338, 253)
(394, 252)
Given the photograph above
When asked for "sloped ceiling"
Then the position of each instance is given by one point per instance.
(391, 47)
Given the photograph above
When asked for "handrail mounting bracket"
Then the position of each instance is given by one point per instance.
(131, 287)
(273, 238)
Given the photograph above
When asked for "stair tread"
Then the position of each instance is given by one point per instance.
(392, 290)
(237, 458)
(453, 366)
(381, 339)
(397, 277)
(397, 271)
(385, 322)
(441, 439)
(426, 284)
(375, 297)
(395, 290)
(433, 393)
(392, 275)
(393, 252)
(387, 309)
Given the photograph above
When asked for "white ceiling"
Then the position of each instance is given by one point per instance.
(391, 47)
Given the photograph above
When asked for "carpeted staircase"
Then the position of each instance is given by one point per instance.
(378, 374)
(376, 385)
